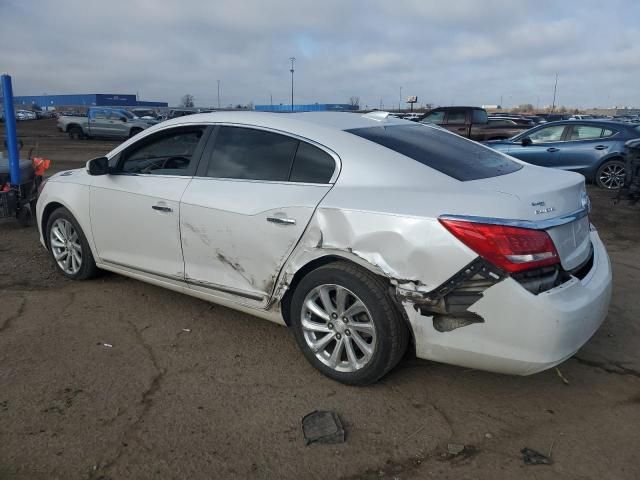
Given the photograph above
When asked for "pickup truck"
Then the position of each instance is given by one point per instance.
(471, 122)
(103, 122)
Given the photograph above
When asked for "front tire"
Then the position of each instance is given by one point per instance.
(611, 175)
(76, 133)
(69, 247)
(347, 325)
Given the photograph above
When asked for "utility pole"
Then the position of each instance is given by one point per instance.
(555, 88)
(293, 59)
(218, 94)
(271, 97)
(400, 100)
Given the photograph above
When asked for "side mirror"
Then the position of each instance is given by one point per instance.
(98, 166)
(124, 119)
(526, 141)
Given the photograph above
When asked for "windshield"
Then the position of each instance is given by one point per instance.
(441, 150)
(127, 114)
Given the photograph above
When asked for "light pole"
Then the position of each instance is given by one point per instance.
(218, 94)
(400, 100)
(555, 88)
(293, 59)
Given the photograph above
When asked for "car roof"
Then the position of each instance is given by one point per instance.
(285, 121)
(587, 121)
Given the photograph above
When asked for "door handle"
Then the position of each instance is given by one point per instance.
(281, 220)
(553, 149)
(162, 208)
(602, 147)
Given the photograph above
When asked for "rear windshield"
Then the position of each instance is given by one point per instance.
(443, 151)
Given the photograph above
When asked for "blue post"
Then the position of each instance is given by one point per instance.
(10, 126)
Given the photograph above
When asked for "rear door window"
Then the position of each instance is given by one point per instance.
(251, 154)
(456, 117)
(443, 151)
(585, 132)
(479, 116)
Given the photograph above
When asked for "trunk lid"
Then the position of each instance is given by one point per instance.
(555, 200)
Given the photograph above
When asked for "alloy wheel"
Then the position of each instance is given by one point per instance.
(65, 246)
(612, 176)
(338, 328)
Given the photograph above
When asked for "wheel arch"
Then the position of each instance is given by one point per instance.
(331, 257)
(614, 156)
(57, 203)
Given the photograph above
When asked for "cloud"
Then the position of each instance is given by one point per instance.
(463, 51)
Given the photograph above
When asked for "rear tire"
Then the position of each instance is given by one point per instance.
(345, 307)
(76, 133)
(69, 247)
(611, 175)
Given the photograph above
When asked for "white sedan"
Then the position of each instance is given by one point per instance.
(362, 233)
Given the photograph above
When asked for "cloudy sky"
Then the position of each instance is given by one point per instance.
(445, 52)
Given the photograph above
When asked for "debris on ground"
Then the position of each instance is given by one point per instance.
(562, 377)
(322, 427)
(188, 330)
(531, 457)
(455, 448)
(108, 345)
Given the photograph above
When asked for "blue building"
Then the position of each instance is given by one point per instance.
(84, 100)
(315, 107)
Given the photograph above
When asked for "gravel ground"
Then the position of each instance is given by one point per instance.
(225, 398)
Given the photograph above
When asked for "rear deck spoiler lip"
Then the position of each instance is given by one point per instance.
(531, 224)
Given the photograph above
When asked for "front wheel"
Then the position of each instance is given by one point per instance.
(76, 133)
(69, 247)
(611, 175)
(347, 325)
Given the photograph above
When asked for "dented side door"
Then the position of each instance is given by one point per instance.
(238, 232)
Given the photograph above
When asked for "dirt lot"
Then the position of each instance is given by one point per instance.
(225, 399)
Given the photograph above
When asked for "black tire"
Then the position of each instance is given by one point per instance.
(134, 132)
(391, 334)
(88, 267)
(611, 175)
(75, 133)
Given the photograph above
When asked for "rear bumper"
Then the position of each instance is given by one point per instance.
(523, 333)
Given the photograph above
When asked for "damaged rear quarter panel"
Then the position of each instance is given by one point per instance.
(416, 254)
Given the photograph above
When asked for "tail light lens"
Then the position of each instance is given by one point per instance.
(513, 249)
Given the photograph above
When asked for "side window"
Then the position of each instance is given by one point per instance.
(312, 165)
(116, 115)
(479, 116)
(547, 134)
(456, 117)
(436, 117)
(606, 132)
(166, 153)
(251, 154)
(99, 114)
(585, 132)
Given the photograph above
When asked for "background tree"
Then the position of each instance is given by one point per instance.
(188, 100)
(354, 101)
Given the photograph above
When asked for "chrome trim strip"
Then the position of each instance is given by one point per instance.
(220, 288)
(188, 281)
(150, 272)
(532, 224)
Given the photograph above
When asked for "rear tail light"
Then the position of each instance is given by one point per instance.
(513, 249)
